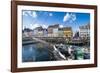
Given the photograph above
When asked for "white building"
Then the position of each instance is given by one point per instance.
(61, 32)
(27, 32)
(38, 32)
(84, 32)
(53, 30)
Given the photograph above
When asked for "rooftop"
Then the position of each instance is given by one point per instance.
(85, 26)
(54, 26)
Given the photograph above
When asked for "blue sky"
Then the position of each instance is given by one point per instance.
(33, 19)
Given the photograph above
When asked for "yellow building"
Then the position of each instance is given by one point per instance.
(68, 32)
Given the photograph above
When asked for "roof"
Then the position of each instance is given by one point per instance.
(67, 28)
(27, 30)
(85, 26)
(54, 26)
(39, 28)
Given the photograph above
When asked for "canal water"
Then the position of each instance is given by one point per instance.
(35, 52)
(39, 52)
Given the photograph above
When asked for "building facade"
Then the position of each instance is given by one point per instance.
(68, 33)
(38, 32)
(45, 33)
(84, 31)
(27, 32)
(61, 32)
(53, 30)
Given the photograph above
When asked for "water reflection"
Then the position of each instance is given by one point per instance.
(35, 52)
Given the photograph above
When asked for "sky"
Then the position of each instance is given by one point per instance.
(32, 19)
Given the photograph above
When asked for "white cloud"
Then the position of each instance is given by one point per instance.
(61, 26)
(33, 26)
(66, 17)
(69, 17)
(30, 13)
(44, 26)
(38, 25)
(34, 14)
(24, 13)
(50, 14)
(73, 16)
